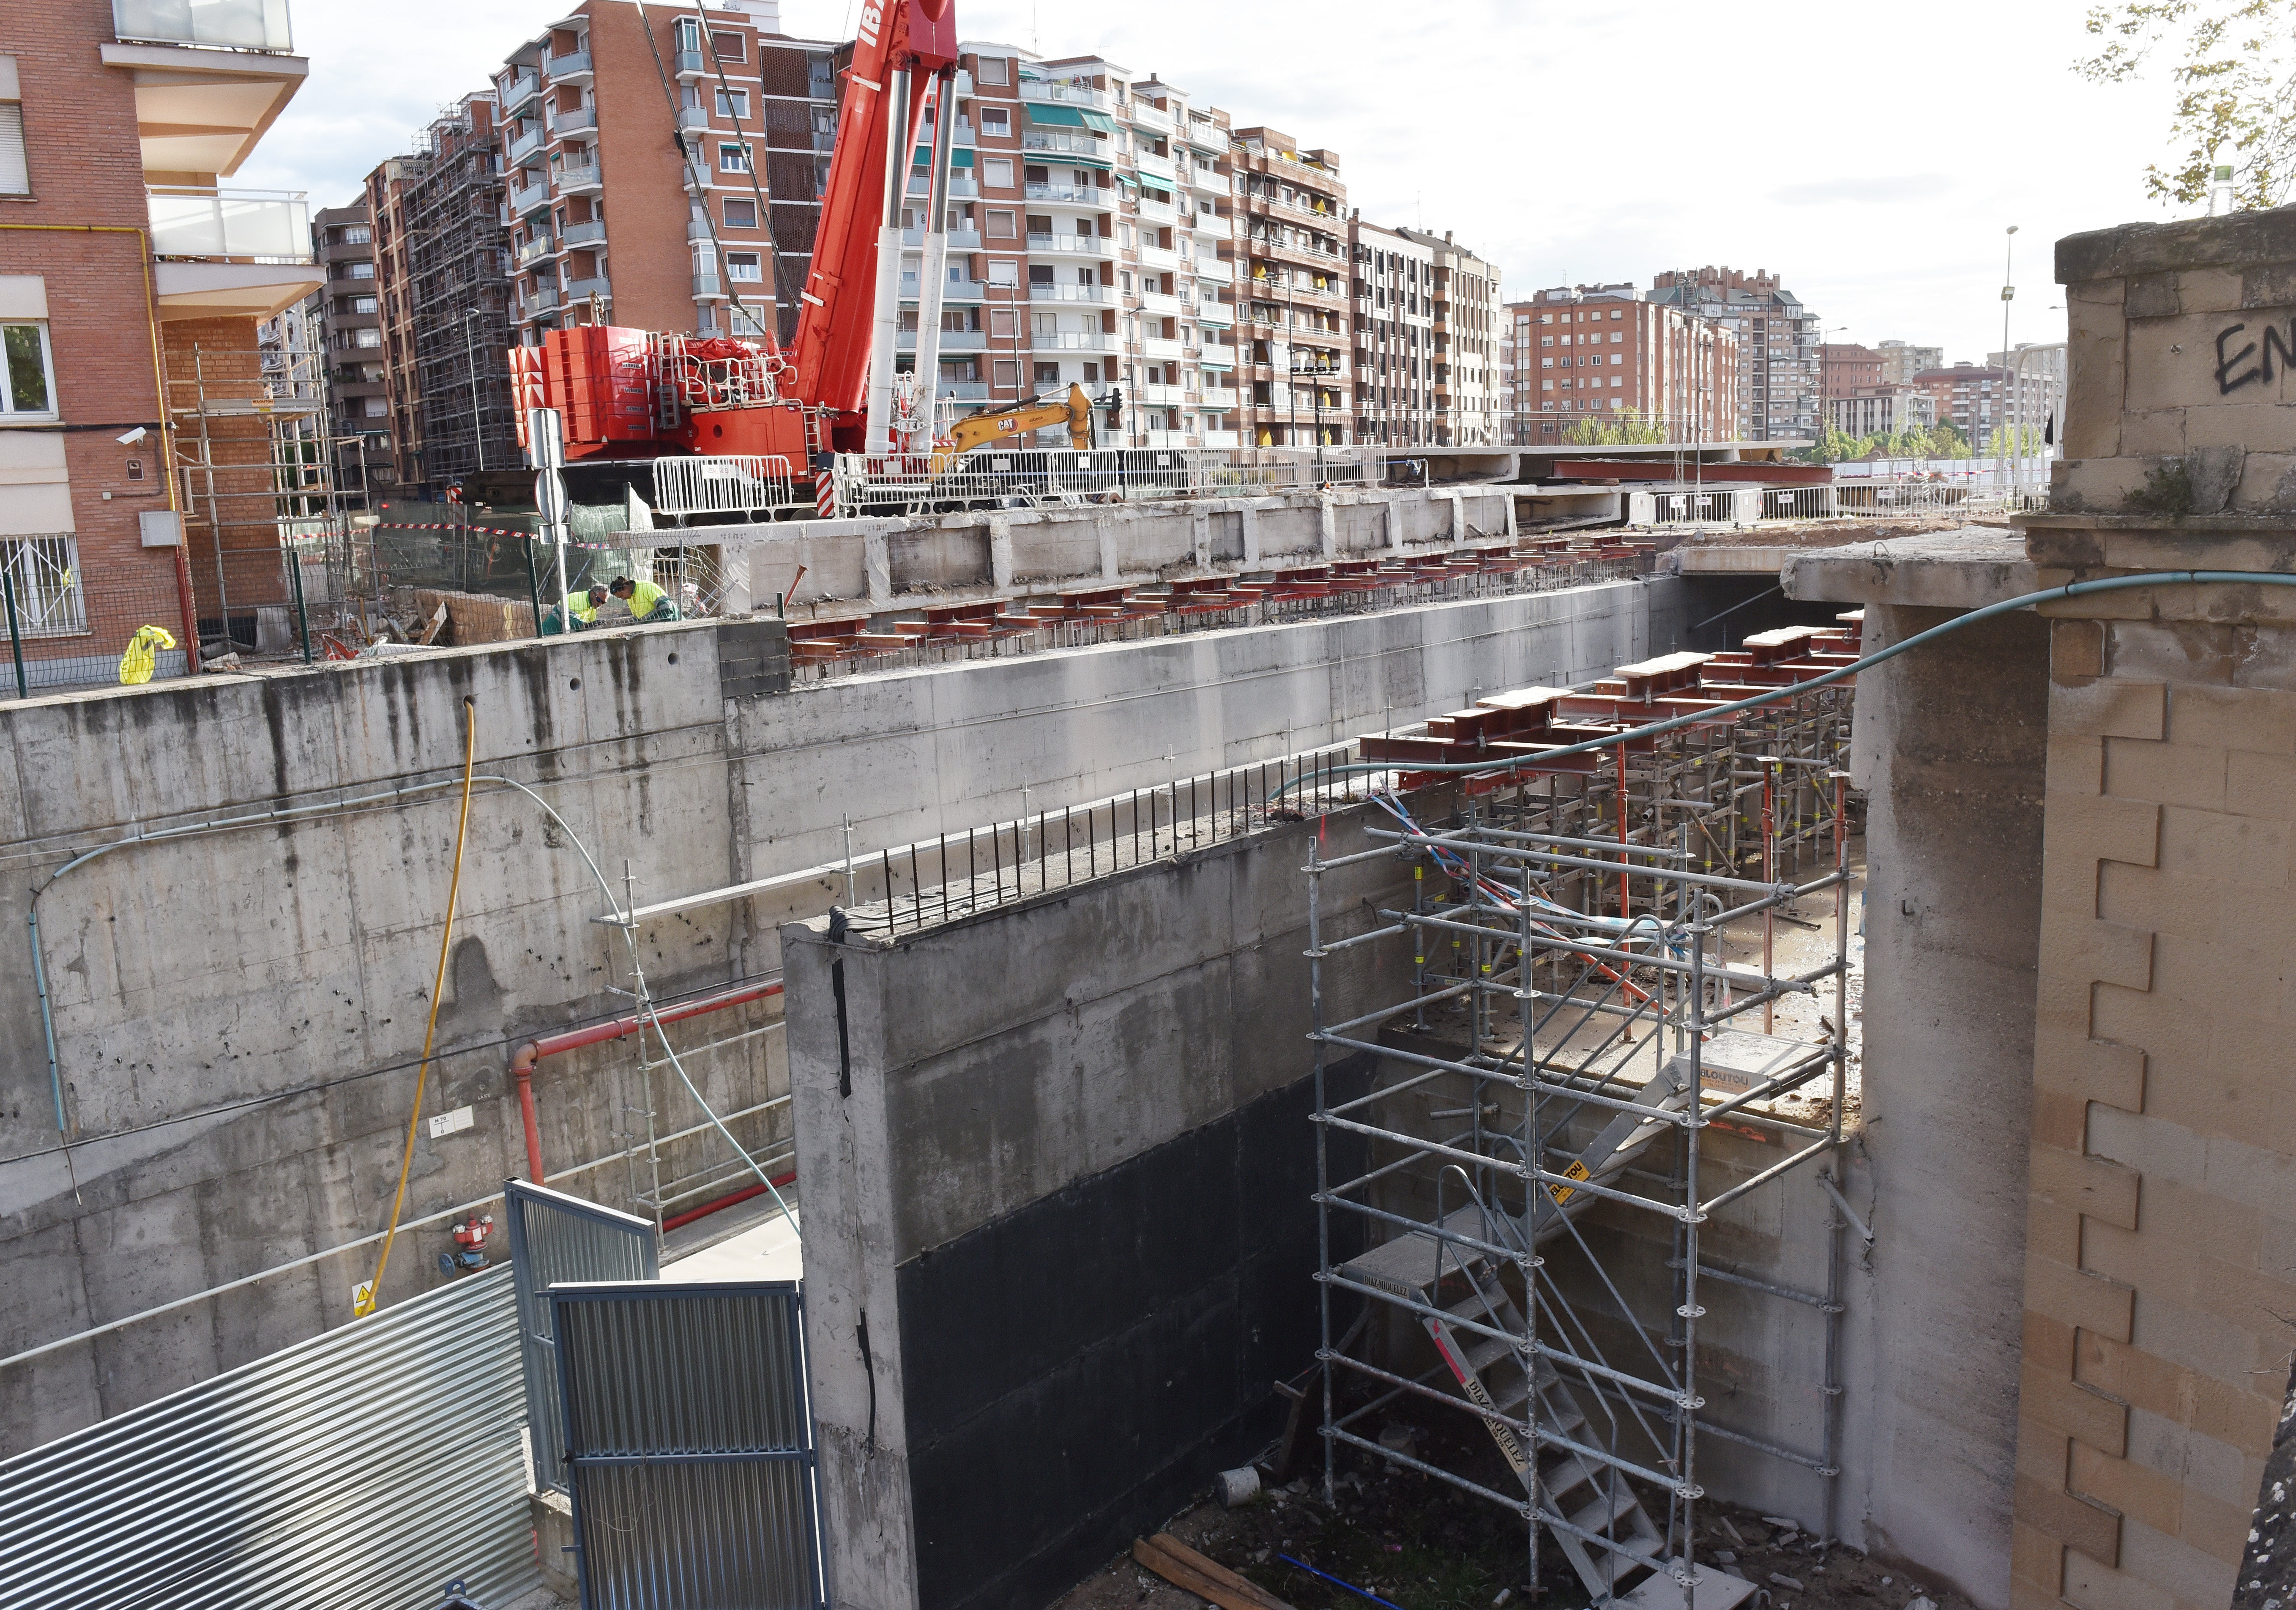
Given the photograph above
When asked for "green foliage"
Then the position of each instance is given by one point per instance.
(1835, 445)
(2235, 77)
(1623, 429)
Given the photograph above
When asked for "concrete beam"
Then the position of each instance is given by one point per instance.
(1959, 570)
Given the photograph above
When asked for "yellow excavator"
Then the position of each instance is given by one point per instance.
(1016, 420)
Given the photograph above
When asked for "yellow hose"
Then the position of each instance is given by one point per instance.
(364, 1297)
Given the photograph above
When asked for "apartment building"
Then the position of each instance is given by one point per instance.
(1085, 250)
(1882, 411)
(457, 296)
(1466, 344)
(1294, 309)
(349, 314)
(392, 273)
(1846, 368)
(1975, 399)
(658, 123)
(1901, 361)
(132, 290)
(1779, 377)
(1595, 358)
(1392, 286)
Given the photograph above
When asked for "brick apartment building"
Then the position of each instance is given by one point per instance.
(1612, 353)
(703, 239)
(1294, 308)
(1974, 398)
(1779, 381)
(1467, 320)
(131, 288)
(1846, 368)
(351, 332)
(1394, 293)
(458, 294)
(1882, 410)
(1901, 361)
(391, 234)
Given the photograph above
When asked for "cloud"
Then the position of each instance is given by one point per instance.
(1877, 192)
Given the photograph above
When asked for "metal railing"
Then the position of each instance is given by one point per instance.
(228, 24)
(1020, 477)
(267, 225)
(725, 485)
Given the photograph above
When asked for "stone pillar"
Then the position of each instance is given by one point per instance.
(877, 562)
(1458, 517)
(1250, 515)
(1200, 532)
(1395, 523)
(1327, 525)
(1000, 552)
(1103, 526)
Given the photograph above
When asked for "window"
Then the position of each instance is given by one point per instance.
(733, 158)
(1040, 274)
(31, 386)
(1048, 375)
(734, 103)
(996, 173)
(356, 235)
(1000, 225)
(994, 120)
(743, 266)
(368, 337)
(1008, 373)
(728, 46)
(46, 572)
(1003, 270)
(992, 69)
(689, 35)
(741, 214)
(15, 171)
(362, 271)
(361, 304)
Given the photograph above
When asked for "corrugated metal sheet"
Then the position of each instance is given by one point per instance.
(556, 1238)
(690, 1437)
(364, 1468)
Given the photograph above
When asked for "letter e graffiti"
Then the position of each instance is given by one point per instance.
(2228, 382)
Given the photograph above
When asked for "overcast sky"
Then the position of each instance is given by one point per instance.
(1873, 155)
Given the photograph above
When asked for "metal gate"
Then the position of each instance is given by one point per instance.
(554, 1237)
(363, 1469)
(689, 1438)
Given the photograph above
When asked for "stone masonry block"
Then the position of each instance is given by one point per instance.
(2075, 765)
(2052, 1231)
(2110, 709)
(2260, 785)
(2234, 717)
(2249, 851)
(2174, 774)
(2050, 1343)
(2173, 1563)
(2159, 649)
(2095, 1186)
(2037, 1562)
(2081, 1412)
(2059, 1120)
(2091, 1070)
(2076, 651)
(2135, 1492)
(2093, 1585)
(2076, 1523)
(2078, 1298)
(2082, 953)
(2102, 827)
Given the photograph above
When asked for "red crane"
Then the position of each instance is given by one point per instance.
(626, 393)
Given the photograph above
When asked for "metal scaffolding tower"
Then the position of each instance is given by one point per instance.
(458, 257)
(1596, 983)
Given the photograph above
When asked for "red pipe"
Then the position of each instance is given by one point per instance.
(523, 1060)
(727, 1201)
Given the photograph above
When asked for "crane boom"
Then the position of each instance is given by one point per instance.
(899, 46)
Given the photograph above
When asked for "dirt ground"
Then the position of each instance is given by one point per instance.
(1420, 1544)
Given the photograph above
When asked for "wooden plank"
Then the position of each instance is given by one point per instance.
(1184, 1568)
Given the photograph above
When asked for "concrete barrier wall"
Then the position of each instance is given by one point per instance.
(237, 1014)
(877, 562)
(1057, 1234)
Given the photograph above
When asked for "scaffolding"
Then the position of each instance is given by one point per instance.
(458, 261)
(264, 529)
(1527, 1163)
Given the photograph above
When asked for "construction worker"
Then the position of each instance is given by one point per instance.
(580, 608)
(647, 602)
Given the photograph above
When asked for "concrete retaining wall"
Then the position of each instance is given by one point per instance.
(237, 1015)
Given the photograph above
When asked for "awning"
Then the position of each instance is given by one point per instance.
(1070, 117)
(961, 157)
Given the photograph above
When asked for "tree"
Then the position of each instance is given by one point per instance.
(1621, 429)
(2235, 77)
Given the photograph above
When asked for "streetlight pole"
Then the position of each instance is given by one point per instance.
(2008, 295)
(471, 356)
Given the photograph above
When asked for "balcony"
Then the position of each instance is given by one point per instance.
(574, 180)
(1069, 245)
(582, 290)
(952, 290)
(951, 340)
(1219, 439)
(692, 64)
(1060, 142)
(1157, 302)
(1103, 295)
(962, 187)
(590, 232)
(261, 25)
(1219, 399)
(959, 240)
(1054, 93)
(525, 145)
(1072, 340)
(1159, 348)
(1158, 168)
(708, 288)
(1141, 115)
(692, 120)
(1216, 271)
(522, 89)
(1075, 195)
(571, 68)
(962, 390)
(263, 226)
(1158, 257)
(528, 198)
(1219, 313)
(1161, 397)
(1157, 212)
(1166, 438)
(535, 250)
(1207, 136)
(543, 300)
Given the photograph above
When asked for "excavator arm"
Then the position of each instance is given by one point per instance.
(1007, 423)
